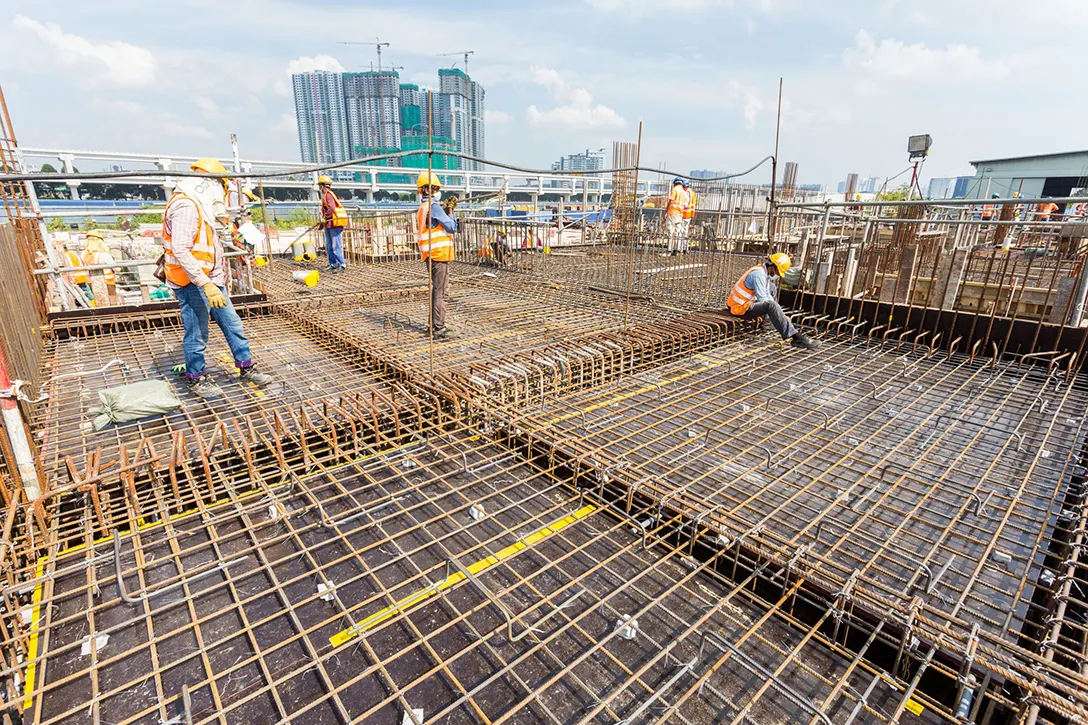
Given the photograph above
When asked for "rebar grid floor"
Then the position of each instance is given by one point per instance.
(277, 281)
(386, 584)
(306, 373)
(492, 317)
(915, 475)
(786, 515)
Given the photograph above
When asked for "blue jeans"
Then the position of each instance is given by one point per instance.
(334, 246)
(194, 317)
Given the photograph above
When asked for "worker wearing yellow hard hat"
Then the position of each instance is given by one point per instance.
(435, 229)
(195, 270)
(753, 298)
(333, 220)
(97, 252)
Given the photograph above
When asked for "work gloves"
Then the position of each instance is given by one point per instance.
(216, 298)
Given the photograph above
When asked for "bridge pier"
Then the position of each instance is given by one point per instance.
(67, 161)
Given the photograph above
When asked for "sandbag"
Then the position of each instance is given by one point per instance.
(133, 401)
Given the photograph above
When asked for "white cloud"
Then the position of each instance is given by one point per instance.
(208, 108)
(114, 61)
(304, 64)
(749, 100)
(317, 62)
(895, 59)
(577, 109)
(287, 124)
(155, 122)
(495, 117)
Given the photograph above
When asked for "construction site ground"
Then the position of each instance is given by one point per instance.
(603, 501)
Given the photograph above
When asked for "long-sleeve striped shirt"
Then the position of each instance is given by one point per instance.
(182, 224)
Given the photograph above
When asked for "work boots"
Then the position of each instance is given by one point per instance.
(204, 387)
(253, 375)
(804, 342)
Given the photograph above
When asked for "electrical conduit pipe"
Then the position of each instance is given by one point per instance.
(17, 433)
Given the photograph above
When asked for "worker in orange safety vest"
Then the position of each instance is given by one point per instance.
(435, 230)
(689, 217)
(97, 252)
(196, 272)
(333, 220)
(1044, 210)
(674, 215)
(753, 298)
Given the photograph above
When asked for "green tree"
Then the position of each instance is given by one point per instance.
(899, 193)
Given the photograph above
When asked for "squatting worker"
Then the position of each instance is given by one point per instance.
(333, 220)
(752, 298)
(196, 271)
(436, 229)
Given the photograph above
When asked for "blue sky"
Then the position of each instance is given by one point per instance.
(985, 78)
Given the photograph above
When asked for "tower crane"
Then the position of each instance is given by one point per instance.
(465, 53)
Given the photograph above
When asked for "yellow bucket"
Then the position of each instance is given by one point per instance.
(309, 278)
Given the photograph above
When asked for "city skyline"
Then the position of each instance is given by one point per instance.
(348, 115)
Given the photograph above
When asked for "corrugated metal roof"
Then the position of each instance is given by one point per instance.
(1028, 156)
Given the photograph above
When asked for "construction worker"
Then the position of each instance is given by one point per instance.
(79, 279)
(97, 252)
(435, 229)
(989, 210)
(753, 298)
(197, 272)
(1044, 210)
(689, 216)
(674, 215)
(333, 220)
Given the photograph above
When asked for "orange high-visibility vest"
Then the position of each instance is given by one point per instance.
(434, 241)
(678, 201)
(988, 210)
(203, 246)
(74, 261)
(689, 210)
(741, 298)
(1046, 209)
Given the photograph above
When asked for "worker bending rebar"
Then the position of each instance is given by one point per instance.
(753, 298)
(435, 238)
(195, 267)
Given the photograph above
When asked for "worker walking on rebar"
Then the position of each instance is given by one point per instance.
(435, 238)
(333, 220)
(753, 298)
(195, 267)
(674, 215)
(689, 217)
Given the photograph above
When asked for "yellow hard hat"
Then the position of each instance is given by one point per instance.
(209, 166)
(781, 262)
(324, 179)
(428, 178)
(94, 234)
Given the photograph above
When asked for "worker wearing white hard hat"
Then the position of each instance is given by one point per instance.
(195, 269)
